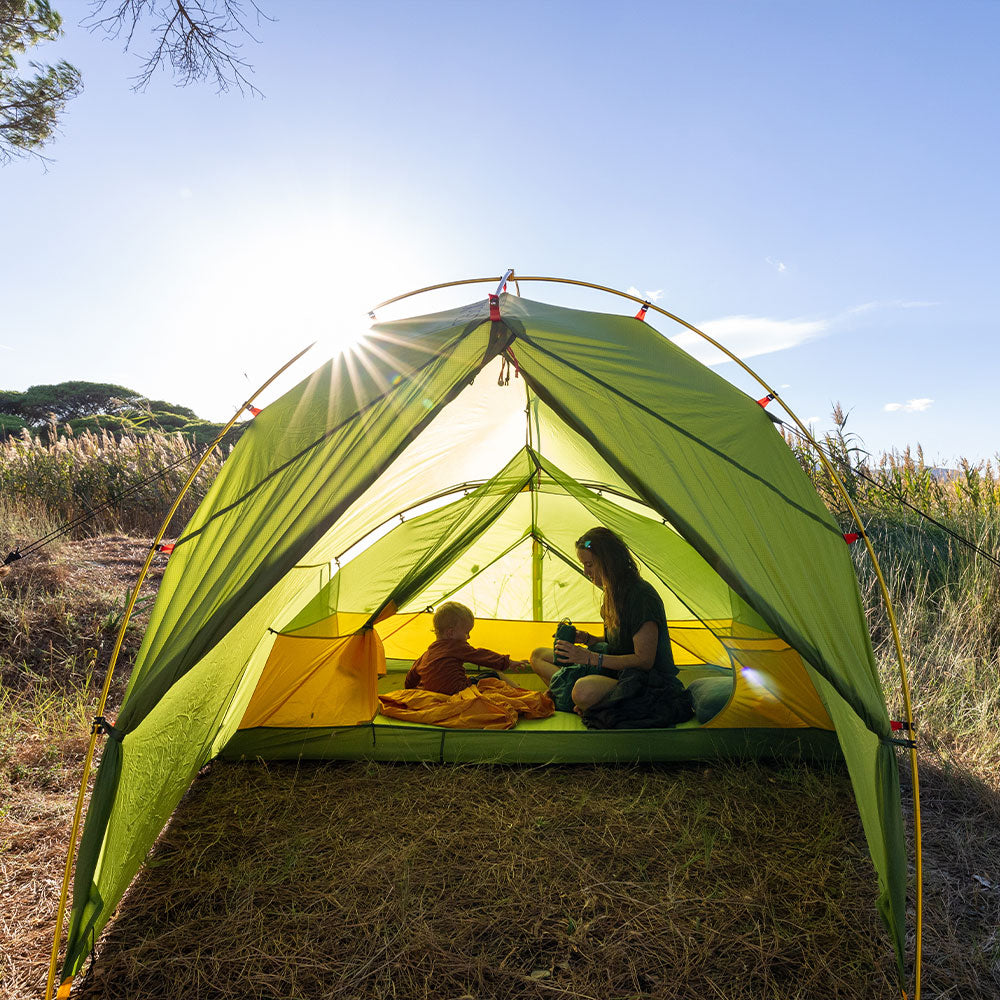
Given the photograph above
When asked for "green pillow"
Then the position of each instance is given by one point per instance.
(710, 695)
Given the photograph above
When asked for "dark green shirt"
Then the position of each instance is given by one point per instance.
(642, 604)
(642, 699)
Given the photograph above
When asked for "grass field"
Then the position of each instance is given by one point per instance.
(350, 880)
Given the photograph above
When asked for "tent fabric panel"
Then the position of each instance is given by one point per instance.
(407, 636)
(707, 458)
(764, 697)
(565, 448)
(457, 450)
(318, 682)
(141, 780)
(772, 686)
(403, 561)
(504, 587)
(692, 583)
(695, 642)
(223, 587)
(337, 624)
(871, 764)
(415, 743)
(300, 464)
(491, 576)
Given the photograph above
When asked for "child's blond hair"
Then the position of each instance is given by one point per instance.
(451, 614)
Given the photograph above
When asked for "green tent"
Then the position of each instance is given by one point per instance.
(405, 472)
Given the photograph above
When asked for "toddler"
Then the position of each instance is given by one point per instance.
(442, 667)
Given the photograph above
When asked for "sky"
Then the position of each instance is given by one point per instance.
(812, 184)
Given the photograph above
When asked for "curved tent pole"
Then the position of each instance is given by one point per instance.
(905, 685)
(96, 728)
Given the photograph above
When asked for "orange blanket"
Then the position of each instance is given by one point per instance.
(490, 704)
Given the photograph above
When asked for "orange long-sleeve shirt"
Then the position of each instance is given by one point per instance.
(442, 668)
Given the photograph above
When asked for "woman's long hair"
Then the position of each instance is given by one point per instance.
(617, 569)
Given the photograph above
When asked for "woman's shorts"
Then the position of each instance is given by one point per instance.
(561, 684)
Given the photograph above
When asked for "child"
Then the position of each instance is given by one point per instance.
(442, 668)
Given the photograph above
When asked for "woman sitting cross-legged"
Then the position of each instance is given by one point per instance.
(629, 680)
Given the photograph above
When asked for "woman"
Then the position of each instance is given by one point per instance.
(629, 680)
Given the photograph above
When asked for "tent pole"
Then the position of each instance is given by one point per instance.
(536, 579)
(64, 987)
(904, 681)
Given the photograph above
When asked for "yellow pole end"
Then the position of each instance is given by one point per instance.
(64, 988)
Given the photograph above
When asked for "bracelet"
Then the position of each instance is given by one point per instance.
(600, 661)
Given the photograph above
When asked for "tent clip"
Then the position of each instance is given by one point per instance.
(641, 314)
(101, 724)
(12, 557)
(901, 724)
(909, 744)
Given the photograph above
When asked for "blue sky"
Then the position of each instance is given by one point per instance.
(813, 184)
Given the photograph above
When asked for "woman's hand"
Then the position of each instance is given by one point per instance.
(584, 638)
(570, 653)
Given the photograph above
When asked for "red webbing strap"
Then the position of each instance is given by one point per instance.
(494, 308)
(641, 314)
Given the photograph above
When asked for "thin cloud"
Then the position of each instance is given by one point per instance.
(648, 296)
(913, 406)
(888, 304)
(778, 265)
(748, 336)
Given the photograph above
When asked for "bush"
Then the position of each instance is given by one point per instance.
(202, 432)
(102, 422)
(11, 424)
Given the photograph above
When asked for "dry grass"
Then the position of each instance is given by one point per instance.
(961, 854)
(59, 614)
(404, 881)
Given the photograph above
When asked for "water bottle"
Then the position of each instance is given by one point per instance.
(565, 630)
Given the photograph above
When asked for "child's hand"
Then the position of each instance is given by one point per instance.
(520, 666)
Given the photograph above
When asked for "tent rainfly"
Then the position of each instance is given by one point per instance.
(403, 473)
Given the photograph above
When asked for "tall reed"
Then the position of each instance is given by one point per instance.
(945, 593)
(121, 484)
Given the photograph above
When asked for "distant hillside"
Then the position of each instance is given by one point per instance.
(941, 475)
(96, 406)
